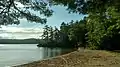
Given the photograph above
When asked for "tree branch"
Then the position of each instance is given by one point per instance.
(9, 6)
(18, 9)
(2, 11)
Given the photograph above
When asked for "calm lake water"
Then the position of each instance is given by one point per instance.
(15, 54)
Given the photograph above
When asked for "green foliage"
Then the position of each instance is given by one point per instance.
(11, 12)
(102, 22)
(103, 27)
(75, 31)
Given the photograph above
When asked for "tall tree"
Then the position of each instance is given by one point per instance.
(51, 33)
(45, 35)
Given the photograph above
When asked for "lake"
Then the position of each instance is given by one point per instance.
(15, 54)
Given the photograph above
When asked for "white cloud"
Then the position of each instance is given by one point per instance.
(20, 33)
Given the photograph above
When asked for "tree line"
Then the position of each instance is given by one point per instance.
(69, 34)
(53, 37)
(100, 29)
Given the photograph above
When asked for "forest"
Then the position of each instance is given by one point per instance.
(99, 29)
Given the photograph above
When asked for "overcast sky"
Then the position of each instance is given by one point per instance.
(34, 30)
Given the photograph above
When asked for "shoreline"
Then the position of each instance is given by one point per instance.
(51, 58)
(84, 58)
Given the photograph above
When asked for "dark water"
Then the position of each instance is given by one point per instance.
(15, 54)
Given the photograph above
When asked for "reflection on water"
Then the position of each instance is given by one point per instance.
(51, 52)
(14, 54)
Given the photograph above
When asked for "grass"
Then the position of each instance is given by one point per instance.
(82, 58)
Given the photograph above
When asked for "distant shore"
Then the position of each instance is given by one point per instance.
(82, 58)
(20, 41)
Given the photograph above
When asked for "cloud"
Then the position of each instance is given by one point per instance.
(20, 33)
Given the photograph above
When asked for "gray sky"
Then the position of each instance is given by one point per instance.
(33, 30)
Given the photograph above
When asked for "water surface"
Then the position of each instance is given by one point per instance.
(15, 54)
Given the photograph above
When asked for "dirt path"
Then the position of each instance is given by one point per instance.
(85, 58)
